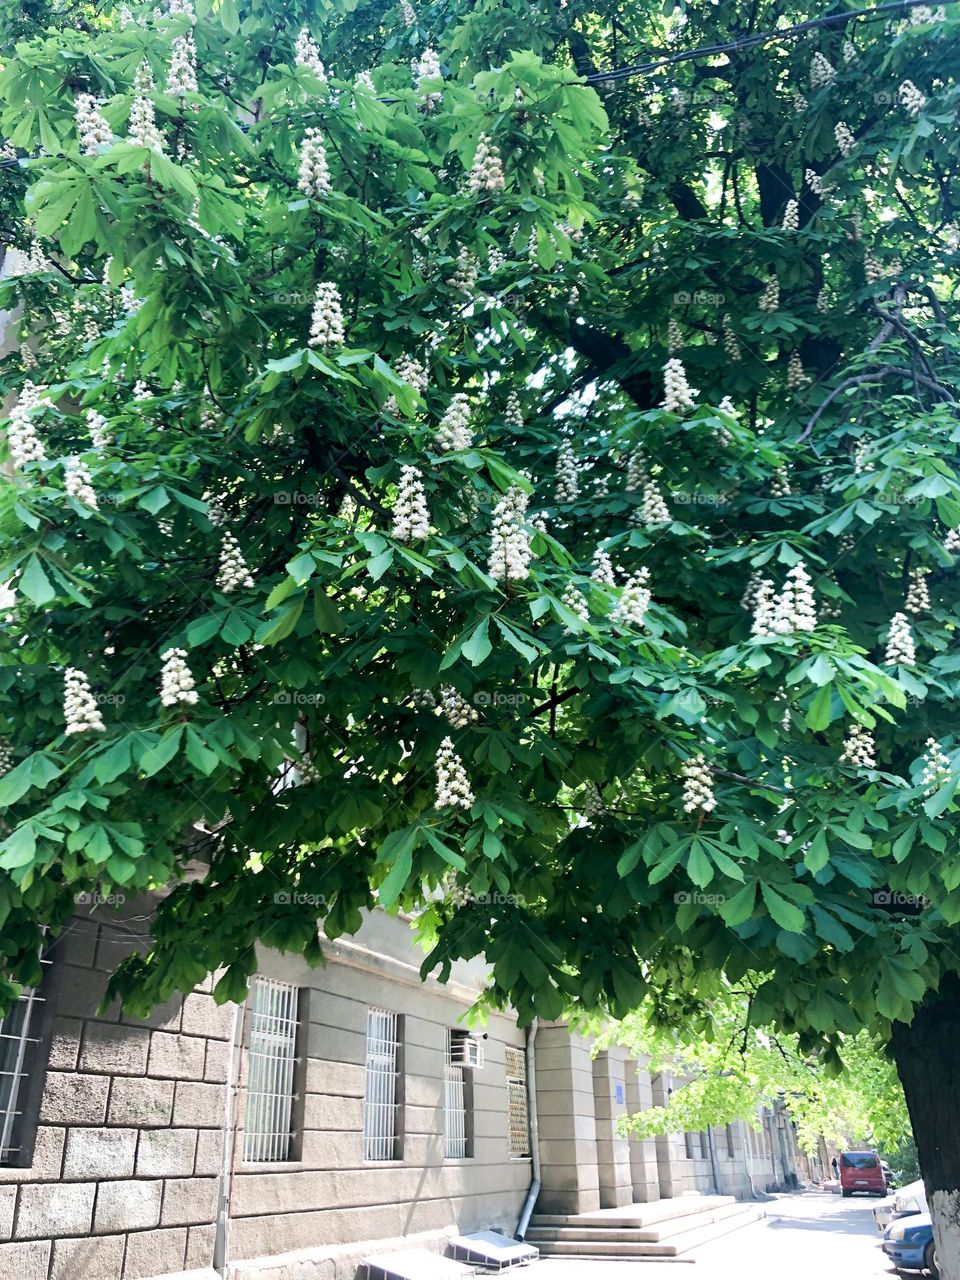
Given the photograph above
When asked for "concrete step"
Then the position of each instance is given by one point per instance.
(674, 1239)
(666, 1229)
(638, 1215)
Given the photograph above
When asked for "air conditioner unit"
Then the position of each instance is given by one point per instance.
(467, 1052)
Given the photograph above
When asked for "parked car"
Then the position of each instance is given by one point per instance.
(909, 1244)
(909, 1199)
(861, 1171)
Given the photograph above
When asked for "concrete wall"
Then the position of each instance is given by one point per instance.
(331, 1195)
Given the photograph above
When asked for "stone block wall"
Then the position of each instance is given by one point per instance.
(123, 1181)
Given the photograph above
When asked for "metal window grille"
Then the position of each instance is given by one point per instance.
(517, 1114)
(454, 1105)
(380, 1102)
(18, 1050)
(688, 1145)
(271, 1062)
(704, 1150)
(730, 1141)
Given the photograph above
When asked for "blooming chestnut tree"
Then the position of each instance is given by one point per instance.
(499, 463)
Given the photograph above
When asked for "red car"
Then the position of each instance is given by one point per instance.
(862, 1171)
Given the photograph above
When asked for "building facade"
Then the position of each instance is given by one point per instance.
(338, 1110)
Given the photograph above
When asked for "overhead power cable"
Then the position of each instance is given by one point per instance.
(754, 40)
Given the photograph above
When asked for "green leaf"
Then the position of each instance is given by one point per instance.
(478, 646)
(199, 754)
(820, 711)
(34, 583)
(783, 912)
(159, 755)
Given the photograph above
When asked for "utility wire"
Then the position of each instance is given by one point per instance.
(754, 40)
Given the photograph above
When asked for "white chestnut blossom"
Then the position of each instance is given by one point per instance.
(603, 568)
(653, 511)
(495, 260)
(780, 483)
(364, 81)
(6, 756)
(824, 300)
(80, 710)
(513, 414)
(77, 482)
(427, 67)
(314, 174)
(770, 298)
(454, 431)
(800, 103)
(568, 482)
(791, 216)
(674, 335)
(845, 139)
(573, 600)
(411, 519)
(408, 13)
(636, 471)
(850, 55)
(936, 767)
(911, 99)
(796, 377)
(177, 685)
(233, 573)
(678, 395)
(731, 343)
(307, 54)
(510, 552)
(795, 607)
(859, 748)
(456, 708)
(951, 542)
(93, 131)
(822, 72)
(764, 609)
(486, 173)
(900, 645)
(918, 593)
(141, 391)
(142, 128)
(698, 786)
(182, 76)
(326, 324)
(453, 786)
(465, 272)
(631, 608)
(129, 301)
(126, 18)
(813, 181)
(24, 443)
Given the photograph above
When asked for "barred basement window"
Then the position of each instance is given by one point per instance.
(24, 1041)
(271, 1070)
(730, 1147)
(688, 1145)
(381, 1137)
(517, 1114)
(457, 1100)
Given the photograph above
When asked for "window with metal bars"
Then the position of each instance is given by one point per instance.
(382, 1096)
(688, 1145)
(518, 1118)
(24, 1045)
(730, 1141)
(457, 1101)
(268, 1134)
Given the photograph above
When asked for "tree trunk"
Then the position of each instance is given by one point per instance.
(927, 1054)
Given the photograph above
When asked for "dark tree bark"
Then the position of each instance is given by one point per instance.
(927, 1054)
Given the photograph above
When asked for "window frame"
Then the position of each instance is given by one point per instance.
(384, 1089)
(31, 1070)
(457, 1083)
(292, 1068)
(517, 1099)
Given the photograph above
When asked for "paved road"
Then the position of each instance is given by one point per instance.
(813, 1236)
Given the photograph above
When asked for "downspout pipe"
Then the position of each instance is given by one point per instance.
(220, 1242)
(533, 1193)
